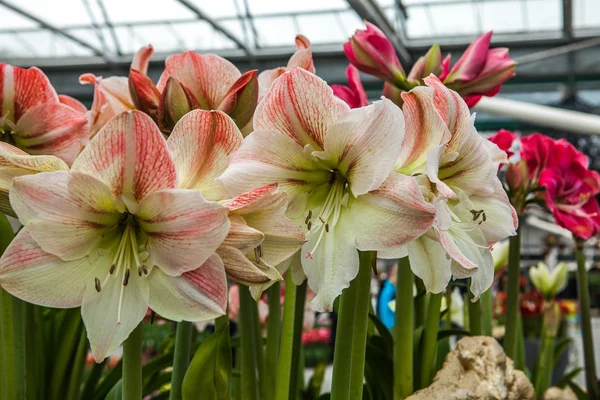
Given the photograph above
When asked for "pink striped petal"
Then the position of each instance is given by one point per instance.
(142, 59)
(470, 64)
(425, 129)
(52, 129)
(266, 79)
(241, 236)
(38, 277)
(208, 77)
(241, 269)
(183, 229)
(197, 295)
(15, 162)
(111, 97)
(303, 56)
(429, 261)
(73, 103)
(200, 145)
(390, 216)
(301, 106)
(66, 213)
(364, 144)
(22, 89)
(130, 156)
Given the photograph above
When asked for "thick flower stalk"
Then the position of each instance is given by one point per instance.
(333, 163)
(456, 169)
(261, 239)
(115, 236)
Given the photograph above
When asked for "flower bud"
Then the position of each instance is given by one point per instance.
(372, 52)
(144, 94)
(393, 93)
(176, 101)
(430, 63)
(549, 284)
(241, 99)
(354, 94)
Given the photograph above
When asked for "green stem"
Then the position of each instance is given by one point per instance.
(487, 316)
(220, 321)
(513, 294)
(403, 326)
(248, 368)
(287, 340)
(586, 324)
(18, 315)
(296, 340)
(132, 365)
(74, 384)
(474, 313)
(361, 323)
(420, 303)
(257, 339)
(273, 334)
(429, 339)
(8, 380)
(181, 358)
(342, 353)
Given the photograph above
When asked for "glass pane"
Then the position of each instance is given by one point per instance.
(54, 13)
(502, 16)
(586, 13)
(12, 20)
(143, 11)
(265, 7)
(417, 23)
(276, 31)
(324, 28)
(453, 19)
(544, 15)
(221, 8)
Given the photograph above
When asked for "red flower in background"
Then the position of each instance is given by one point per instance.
(535, 150)
(354, 94)
(504, 140)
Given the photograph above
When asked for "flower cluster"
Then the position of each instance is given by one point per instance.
(555, 174)
(479, 72)
(169, 200)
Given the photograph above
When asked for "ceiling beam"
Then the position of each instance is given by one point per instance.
(218, 27)
(54, 29)
(111, 27)
(370, 11)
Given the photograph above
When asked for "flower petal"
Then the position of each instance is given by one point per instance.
(501, 218)
(424, 127)
(483, 278)
(183, 229)
(390, 216)
(200, 145)
(66, 213)
(332, 266)
(52, 129)
(142, 59)
(101, 312)
(15, 162)
(38, 277)
(241, 236)
(430, 262)
(73, 103)
(268, 157)
(243, 270)
(364, 144)
(197, 295)
(208, 77)
(301, 106)
(22, 89)
(130, 156)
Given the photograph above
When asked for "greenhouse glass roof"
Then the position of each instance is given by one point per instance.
(71, 31)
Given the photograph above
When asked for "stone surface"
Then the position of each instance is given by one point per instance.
(555, 393)
(478, 369)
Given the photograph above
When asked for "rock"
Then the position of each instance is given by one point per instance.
(478, 369)
(555, 393)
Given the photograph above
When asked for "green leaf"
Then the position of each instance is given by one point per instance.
(444, 333)
(559, 347)
(315, 383)
(379, 370)
(116, 393)
(568, 377)
(210, 368)
(581, 395)
(383, 332)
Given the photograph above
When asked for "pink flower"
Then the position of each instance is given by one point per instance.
(430, 63)
(372, 52)
(354, 94)
(504, 140)
(535, 150)
(480, 71)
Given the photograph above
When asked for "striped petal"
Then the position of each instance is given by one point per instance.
(142, 59)
(364, 144)
(113, 313)
(73, 103)
(301, 106)
(130, 156)
(38, 277)
(111, 97)
(15, 162)
(390, 216)
(197, 295)
(22, 89)
(243, 270)
(183, 229)
(66, 213)
(52, 129)
(208, 77)
(200, 145)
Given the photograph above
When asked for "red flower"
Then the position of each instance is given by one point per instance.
(504, 140)
(535, 150)
(354, 94)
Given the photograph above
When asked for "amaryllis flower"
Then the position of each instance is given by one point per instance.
(261, 240)
(535, 151)
(111, 94)
(430, 63)
(33, 117)
(549, 283)
(456, 169)
(301, 58)
(371, 51)
(480, 71)
(571, 189)
(354, 94)
(333, 163)
(114, 235)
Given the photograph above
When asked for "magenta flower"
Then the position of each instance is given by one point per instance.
(354, 94)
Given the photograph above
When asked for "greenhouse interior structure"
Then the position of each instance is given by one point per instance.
(307, 200)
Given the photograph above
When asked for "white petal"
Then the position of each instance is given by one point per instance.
(430, 262)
